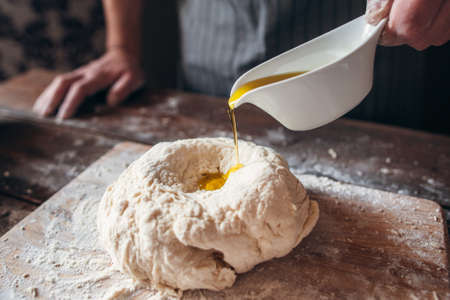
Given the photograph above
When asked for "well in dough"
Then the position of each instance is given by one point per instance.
(161, 229)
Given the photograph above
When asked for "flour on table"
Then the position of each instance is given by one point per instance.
(163, 231)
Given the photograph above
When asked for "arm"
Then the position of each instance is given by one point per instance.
(418, 23)
(119, 68)
(123, 26)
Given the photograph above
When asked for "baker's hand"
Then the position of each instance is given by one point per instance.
(115, 69)
(418, 23)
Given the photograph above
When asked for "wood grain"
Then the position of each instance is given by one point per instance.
(12, 211)
(20, 92)
(367, 244)
(36, 160)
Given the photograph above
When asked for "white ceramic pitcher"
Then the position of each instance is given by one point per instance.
(340, 74)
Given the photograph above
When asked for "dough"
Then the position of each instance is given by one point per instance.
(161, 229)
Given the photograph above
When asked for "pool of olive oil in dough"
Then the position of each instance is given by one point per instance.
(214, 181)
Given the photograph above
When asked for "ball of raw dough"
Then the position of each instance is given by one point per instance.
(160, 228)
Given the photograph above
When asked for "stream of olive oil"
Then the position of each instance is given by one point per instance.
(214, 181)
(251, 85)
(235, 133)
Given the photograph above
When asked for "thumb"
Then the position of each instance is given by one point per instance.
(376, 10)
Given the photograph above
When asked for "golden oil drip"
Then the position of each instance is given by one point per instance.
(214, 181)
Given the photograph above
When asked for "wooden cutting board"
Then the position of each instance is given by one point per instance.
(367, 244)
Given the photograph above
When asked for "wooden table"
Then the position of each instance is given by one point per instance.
(39, 156)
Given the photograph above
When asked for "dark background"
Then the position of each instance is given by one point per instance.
(410, 87)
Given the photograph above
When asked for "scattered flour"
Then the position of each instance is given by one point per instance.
(332, 153)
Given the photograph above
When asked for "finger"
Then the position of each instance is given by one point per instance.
(75, 96)
(80, 90)
(49, 99)
(389, 38)
(439, 32)
(123, 87)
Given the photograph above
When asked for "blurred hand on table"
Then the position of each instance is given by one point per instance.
(115, 69)
(119, 68)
